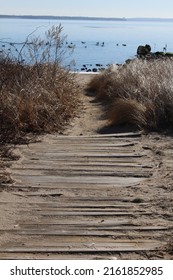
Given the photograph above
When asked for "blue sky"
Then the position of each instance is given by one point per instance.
(98, 8)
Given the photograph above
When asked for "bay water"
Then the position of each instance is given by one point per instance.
(95, 42)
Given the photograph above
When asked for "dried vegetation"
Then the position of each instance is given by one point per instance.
(138, 93)
(36, 94)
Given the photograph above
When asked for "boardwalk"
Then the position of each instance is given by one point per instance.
(80, 197)
(89, 196)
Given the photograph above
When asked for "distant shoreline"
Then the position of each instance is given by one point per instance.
(84, 18)
(61, 17)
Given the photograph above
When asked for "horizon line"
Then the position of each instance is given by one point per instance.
(99, 17)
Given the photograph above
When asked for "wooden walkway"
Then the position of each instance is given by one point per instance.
(78, 197)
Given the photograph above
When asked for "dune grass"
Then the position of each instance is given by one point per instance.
(36, 97)
(138, 93)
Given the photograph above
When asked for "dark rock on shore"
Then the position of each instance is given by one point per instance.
(145, 53)
(143, 50)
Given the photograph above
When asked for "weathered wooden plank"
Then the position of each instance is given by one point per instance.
(84, 167)
(82, 172)
(101, 136)
(93, 213)
(60, 160)
(127, 148)
(123, 232)
(42, 229)
(72, 233)
(85, 145)
(82, 151)
(57, 256)
(44, 164)
(81, 223)
(70, 186)
(80, 202)
(121, 246)
(81, 154)
(45, 180)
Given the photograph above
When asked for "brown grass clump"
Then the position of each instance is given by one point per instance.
(100, 86)
(131, 110)
(139, 93)
(37, 97)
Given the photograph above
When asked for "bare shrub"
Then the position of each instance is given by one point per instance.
(40, 96)
(146, 85)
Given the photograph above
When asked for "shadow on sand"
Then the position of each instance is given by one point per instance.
(110, 129)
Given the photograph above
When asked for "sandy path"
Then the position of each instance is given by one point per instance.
(89, 119)
(81, 175)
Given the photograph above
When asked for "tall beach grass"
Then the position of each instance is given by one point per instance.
(39, 96)
(138, 93)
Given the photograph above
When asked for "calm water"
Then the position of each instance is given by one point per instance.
(121, 38)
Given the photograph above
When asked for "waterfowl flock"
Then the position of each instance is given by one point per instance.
(70, 45)
(90, 67)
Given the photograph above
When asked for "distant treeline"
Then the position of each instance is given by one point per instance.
(151, 19)
(85, 18)
(61, 17)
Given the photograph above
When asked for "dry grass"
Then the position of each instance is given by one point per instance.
(38, 97)
(139, 93)
(131, 110)
(32, 103)
(100, 85)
